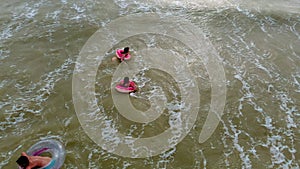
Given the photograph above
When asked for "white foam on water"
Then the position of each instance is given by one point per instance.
(268, 123)
(244, 153)
(287, 105)
(31, 13)
(204, 159)
(176, 126)
(228, 151)
(38, 93)
(246, 163)
(64, 1)
(193, 4)
(134, 128)
(133, 6)
(110, 135)
(78, 9)
(289, 6)
(55, 15)
(6, 33)
(250, 97)
(3, 54)
(122, 3)
(7, 155)
(294, 30)
(275, 142)
(166, 158)
(296, 82)
(20, 19)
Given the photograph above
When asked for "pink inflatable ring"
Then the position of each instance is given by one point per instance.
(131, 88)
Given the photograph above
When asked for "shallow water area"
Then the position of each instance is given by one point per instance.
(258, 45)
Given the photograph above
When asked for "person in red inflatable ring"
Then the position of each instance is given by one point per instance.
(126, 86)
(122, 54)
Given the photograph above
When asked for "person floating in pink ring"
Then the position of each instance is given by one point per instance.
(126, 86)
(122, 54)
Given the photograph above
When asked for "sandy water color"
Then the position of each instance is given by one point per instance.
(219, 82)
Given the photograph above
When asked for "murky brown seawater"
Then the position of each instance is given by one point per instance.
(260, 50)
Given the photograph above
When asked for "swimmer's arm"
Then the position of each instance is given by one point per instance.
(120, 83)
(122, 58)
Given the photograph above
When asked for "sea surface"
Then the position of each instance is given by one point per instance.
(258, 43)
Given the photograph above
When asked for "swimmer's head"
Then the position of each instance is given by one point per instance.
(126, 79)
(126, 50)
(23, 161)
